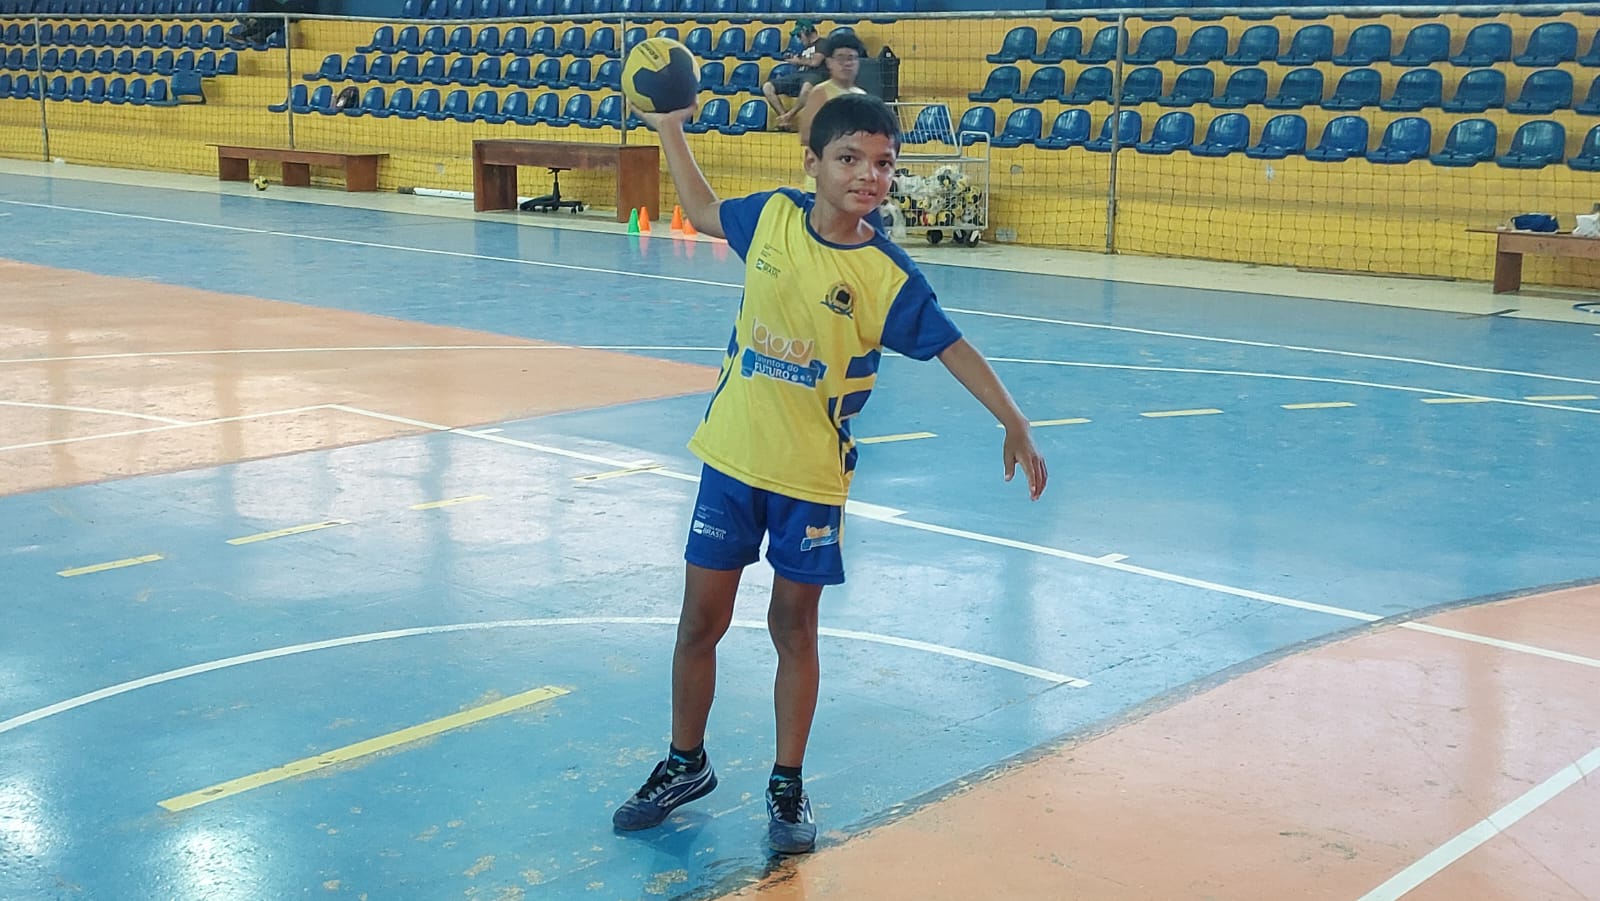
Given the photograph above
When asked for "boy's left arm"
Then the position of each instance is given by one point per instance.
(977, 376)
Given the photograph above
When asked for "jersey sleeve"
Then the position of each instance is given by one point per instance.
(739, 218)
(916, 325)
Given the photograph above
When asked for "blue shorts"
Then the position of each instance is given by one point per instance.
(731, 518)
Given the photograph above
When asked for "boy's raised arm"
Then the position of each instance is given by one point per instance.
(977, 376)
(699, 202)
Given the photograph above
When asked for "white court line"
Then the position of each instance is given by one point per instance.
(1487, 828)
(734, 286)
(112, 691)
(1108, 561)
(161, 428)
(397, 348)
(71, 409)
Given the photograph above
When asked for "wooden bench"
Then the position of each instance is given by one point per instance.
(495, 162)
(360, 169)
(1511, 244)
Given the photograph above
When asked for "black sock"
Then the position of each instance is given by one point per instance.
(781, 773)
(695, 758)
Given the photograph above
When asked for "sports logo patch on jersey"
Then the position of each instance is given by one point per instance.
(841, 299)
(780, 357)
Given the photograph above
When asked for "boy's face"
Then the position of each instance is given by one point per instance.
(844, 64)
(854, 172)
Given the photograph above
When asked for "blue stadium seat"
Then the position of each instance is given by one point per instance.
(1207, 44)
(460, 40)
(543, 41)
(745, 78)
(932, 124)
(1244, 87)
(1228, 133)
(698, 40)
(399, 104)
(1342, 139)
(574, 42)
(457, 105)
(1406, 139)
(603, 43)
(486, 9)
(433, 40)
(427, 105)
(608, 77)
(488, 72)
(976, 124)
(1300, 87)
(669, 31)
(1543, 92)
(713, 115)
(548, 74)
(1192, 86)
(1129, 127)
(1282, 136)
(1022, 127)
(729, 43)
(752, 117)
(1071, 129)
(380, 70)
(1425, 44)
(1535, 145)
(406, 70)
(608, 114)
(514, 41)
(382, 41)
(579, 73)
(488, 42)
(409, 41)
(1065, 43)
(1416, 90)
(1142, 85)
(1046, 83)
(297, 99)
(1468, 143)
(1094, 83)
(516, 110)
(1485, 45)
(1591, 104)
(1173, 131)
(373, 99)
(321, 100)
(633, 37)
(518, 73)
(1313, 43)
(332, 68)
(1357, 89)
(1478, 90)
(460, 71)
(116, 91)
(1592, 58)
(1020, 43)
(1550, 44)
(1588, 158)
(1003, 82)
(546, 107)
(579, 108)
(1103, 47)
(713, 76)
(1367, 44)
(1155, 45)
(567, 9)
(767, 44)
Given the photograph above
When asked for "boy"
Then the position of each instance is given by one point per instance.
(824, 291)
(808, 70)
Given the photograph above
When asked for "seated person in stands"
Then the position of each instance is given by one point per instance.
(841, 55)
(808, 70)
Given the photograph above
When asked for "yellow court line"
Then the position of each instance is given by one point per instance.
(1561, 397)
(618, 473)
(362, 748)
(450, 502)
(292, 530)
(885, 439)
(114, 564)
(1162, 414)
(1323, 406)
(1457, 400)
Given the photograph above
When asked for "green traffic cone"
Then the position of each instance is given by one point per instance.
(633, 222)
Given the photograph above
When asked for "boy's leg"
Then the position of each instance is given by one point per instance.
(792, 622)
(770, 91)
(708, 596)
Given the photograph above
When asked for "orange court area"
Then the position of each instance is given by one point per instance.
(113, 377)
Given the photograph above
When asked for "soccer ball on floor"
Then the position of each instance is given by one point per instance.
(260, 181)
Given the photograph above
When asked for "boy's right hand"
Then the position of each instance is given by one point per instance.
(654, 121)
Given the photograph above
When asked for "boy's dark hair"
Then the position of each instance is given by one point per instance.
(849, 114)
(842, 40)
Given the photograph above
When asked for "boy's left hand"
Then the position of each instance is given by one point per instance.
(1020, 450)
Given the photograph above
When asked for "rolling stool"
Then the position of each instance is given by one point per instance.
(551, 202)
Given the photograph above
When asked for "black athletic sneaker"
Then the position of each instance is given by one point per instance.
(670, 785)
(790, 829)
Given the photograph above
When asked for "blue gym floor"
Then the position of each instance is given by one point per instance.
(975, 626)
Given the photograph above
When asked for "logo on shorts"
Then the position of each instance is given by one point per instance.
(819, 536)
(715, 533)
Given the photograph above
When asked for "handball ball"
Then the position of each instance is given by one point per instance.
(260, 181)
(660, 75)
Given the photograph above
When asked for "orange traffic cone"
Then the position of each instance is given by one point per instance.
(688, 228)
(644, 220)
(677, 218)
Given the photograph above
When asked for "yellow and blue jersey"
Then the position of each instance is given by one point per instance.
(805, 347)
